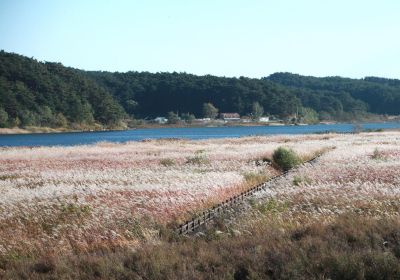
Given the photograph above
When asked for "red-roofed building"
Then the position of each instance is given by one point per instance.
(229, 116)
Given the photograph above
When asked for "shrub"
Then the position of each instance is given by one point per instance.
(167, 162)
(199, 158)
(368, 130)
(327, 132)
(378, 155)
(297, 180)
(357, 128)
(286, 158)
(272, 206)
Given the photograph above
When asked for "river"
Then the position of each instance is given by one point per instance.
(82, 138)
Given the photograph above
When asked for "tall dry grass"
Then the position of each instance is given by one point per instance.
(66, 208)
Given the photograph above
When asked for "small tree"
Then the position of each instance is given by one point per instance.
(3, 118)
(27, 118)
(172, 118)
(188, 118)
(61, 120)
(257, 111)
(13, 122)
(131, 105)
(357, 127)
(308, 115)
(286, 158)
(45, 116)
(209, 111)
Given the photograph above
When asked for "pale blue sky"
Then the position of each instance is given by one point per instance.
(352, 38)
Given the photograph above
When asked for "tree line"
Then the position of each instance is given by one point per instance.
(337, 97)
(50, 94)
(159, 93)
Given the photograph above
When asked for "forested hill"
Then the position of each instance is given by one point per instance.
(49, 94)
(329, 94)
(157, 94)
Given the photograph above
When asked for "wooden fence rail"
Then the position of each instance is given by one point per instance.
(209, 214)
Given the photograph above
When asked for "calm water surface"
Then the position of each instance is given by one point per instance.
(79, 138)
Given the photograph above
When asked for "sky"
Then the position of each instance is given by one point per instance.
(347, 38)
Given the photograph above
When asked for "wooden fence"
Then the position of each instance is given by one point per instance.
(209, 214)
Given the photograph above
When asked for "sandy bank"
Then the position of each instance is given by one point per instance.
(14, 131)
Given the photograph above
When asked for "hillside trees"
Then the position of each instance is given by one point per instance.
(35, 92)
(343, 95)
(3, 118)
(158, 93)
(31, 91)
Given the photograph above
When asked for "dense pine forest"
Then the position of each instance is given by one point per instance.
(34, 93)
(335, 94)
(49, 94)
(157, 94)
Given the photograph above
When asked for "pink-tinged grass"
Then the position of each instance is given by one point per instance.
(69, 199)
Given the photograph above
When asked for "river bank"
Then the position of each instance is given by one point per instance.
(29, 130)
(40, 130)
(36, 130)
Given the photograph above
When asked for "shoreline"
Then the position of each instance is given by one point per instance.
(47, 130)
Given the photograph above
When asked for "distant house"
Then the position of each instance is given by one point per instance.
(229, 116)
(160, 120)
(205, 120)
(264, 119)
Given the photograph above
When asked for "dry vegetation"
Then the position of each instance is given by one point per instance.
(105, 211)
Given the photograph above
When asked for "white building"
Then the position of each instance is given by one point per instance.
(161, 120)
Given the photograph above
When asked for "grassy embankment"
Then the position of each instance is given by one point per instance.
(35, 129)
(106, 211)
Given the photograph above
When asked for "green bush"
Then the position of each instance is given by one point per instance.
(167, 162)
(297, 180)
(378, 155)
(199, 158)
(286, 158)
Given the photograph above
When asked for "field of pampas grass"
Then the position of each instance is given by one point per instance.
(61, 202)
(67, 198)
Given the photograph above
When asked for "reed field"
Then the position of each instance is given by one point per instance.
(112, 207)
